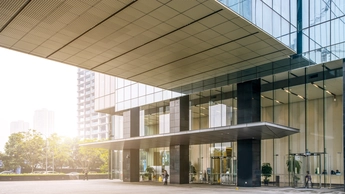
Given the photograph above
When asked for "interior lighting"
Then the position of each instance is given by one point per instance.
(277, 101)
(286, 90)
(328, 92)
(314, 84)
(290, 92)
(300, 96)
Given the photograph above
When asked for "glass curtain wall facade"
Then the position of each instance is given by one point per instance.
(304, 91)
(309, 99)
(314, 29)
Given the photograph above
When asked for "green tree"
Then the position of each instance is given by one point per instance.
(91, 157)
(58, 151)
(13, 150)
(4, 160)
(104, 157)
(33, 149)
(25, 149)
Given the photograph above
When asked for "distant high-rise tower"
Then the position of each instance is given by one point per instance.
(44, 122)
(19, 126)
(91, 124)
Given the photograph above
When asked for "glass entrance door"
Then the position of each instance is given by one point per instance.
(214, 177)
(223, 170)
(298, 165)
(312, 163)
(229, 175)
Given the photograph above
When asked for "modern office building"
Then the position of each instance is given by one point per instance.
(19, 126)
(91, 124)
(44, 122)
(207, 89)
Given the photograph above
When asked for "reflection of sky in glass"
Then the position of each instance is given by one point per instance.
(323, 24)
(131, 94)
(278, 17)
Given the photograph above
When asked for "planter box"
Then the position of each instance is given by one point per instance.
(48, 177)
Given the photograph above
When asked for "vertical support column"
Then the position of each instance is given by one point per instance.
(131, 121)
(249, 162)
(249, 102)
(299, 27)
(344, 118)
(179, 154)
(179, 114)
(130, 165)
(179, 164)
(249, 150)
(131, 156)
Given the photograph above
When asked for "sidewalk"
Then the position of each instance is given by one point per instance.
(116, 187)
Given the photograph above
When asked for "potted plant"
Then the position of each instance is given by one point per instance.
(294, 167)
(192, 172)
(149, 171)
(266, 171)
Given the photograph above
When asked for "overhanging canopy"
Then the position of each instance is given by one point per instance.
(160, 43)
(260, 130)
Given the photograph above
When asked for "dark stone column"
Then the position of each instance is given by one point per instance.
(344, 117)
(130, 165)
(131, 157)
(249, 102)
(249, 163)
(131, 124)
(179, 164)
(179, 154)
(249, 150)
(179, 114)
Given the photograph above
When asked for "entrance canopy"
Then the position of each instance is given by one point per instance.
(159, 43)
(260, 130)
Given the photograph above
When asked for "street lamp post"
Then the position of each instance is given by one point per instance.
(46, 155)
(53, 160)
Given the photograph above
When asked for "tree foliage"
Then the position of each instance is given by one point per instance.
(29, 150)
(58, 150)
(92, 157)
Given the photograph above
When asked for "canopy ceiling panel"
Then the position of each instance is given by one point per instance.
(133, 39)
(261, 130)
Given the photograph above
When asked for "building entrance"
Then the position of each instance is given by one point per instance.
(223, 166)
(223, 170)
(302, 165)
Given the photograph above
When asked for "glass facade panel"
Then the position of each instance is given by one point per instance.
(152, 163)
(269, 16)
(296, 92)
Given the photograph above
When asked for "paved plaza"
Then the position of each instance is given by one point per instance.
(113, 186)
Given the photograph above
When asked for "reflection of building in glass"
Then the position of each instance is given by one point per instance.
(19, 126)
(44, 122)
(91, 124)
